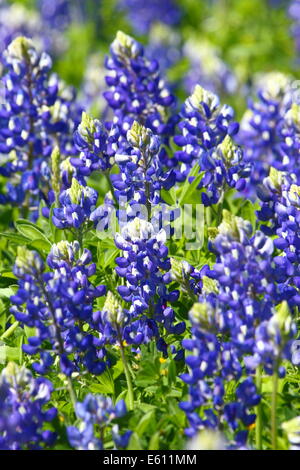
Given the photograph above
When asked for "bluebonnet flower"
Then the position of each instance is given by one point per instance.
(211, 365)
(104, 216)
(137, 92)
(142, 14)
(279, 214)
(204, 125)
(45, 24)
(273, 341)
(205, 139)
(207, 440)
(76, 205)
(142, 265)
(96, 414)
(121, 327)
(111, 320)
(210, 439)
(270, 129)
(235, 321)
(245, 265)
(270, 193)
(95, 145)
(22, 413)
(58, 304)
(38, 113)
(141, 176)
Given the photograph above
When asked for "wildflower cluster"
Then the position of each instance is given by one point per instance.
(97, 411)
(234, 323)
(149, 243)
(270, 128)
(58, 304)
(206, 130)
(141, 176)
(145, 258)
(137, 92)
(23, 415)
(37, 115)
(279, 214)
(95, 147)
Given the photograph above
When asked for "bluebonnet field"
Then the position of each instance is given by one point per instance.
(150, 224)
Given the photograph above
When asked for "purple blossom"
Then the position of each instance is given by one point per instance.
(22, 413)
(58, 303)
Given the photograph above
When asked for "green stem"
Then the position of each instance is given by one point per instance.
(258, 428)
(208, 216)
(71, 392)
(219, 213)
(79, 236)
(127, 375)
(274, 409)
(148, 203)
(10, 330)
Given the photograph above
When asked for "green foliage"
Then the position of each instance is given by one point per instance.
(252, 38)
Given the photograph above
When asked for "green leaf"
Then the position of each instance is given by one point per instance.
(6, 281)
(169, 196)
(101, 389)
(145, 422)
(15, 237)
(105, 385)
(32, 232)
(189, 188)
(8, 274)
(8, 353)
(172, 372)
(7, 292)
(118, 369)
(147, 375)
(134, 442)
(29, 331)
(154, 442)
(40, 245)
(145, 407)
(109, 256)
